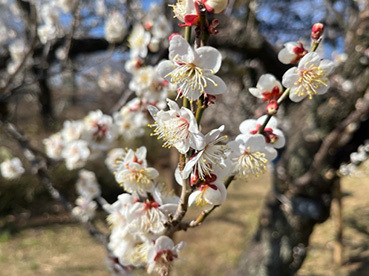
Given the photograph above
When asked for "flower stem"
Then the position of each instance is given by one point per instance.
(267, 119)
(200, 109)
(204, 37)
(314, 46)
(187, 37)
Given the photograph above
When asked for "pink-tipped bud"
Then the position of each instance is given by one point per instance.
(194, 179)
(317, 31)
(148, 25)
(215, 6)
(173, 35)
(272, 108)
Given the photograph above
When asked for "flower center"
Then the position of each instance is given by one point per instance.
(141, 178)
(172, 131)
(190, 78)
(162, 261)
(310, 81)
(138, 254)
(251, 163)
(179, 9)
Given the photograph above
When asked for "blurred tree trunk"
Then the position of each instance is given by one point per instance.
(323, 132)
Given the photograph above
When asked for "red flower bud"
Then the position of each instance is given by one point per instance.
(173, 34)
(272, 108)
(317, 31)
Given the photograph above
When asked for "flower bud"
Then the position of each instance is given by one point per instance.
(317, 31)
(215, 6)
(272, 108)
(172, 35)
(292, 52)
(194, 179)
(154, 45)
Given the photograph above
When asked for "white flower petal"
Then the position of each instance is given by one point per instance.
(247, 126)
(291, 76)
(208, 58)
(294, 96)
(309, 59)
(164, 68)
(215, 89)
(192, 198)
(256, 92)
(212, 196)
(179, 48)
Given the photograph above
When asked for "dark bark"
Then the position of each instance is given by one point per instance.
(319, 141)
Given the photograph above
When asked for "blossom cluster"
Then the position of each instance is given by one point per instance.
(356, 159)
(11, 168)
(88, 189)
(49, 13)
(138, 218)
(144, 214)
(82, 140)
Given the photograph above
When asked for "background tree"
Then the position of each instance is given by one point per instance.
(62, 69)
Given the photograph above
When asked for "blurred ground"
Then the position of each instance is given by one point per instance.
(64, 248)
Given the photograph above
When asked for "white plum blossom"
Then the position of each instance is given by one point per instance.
(142, 79)
(309, 78)
(76, 154)
(192, 71)
(130, 122)
(160, 256)
(186, 12)
(136, 178)
(12, 168)
(177, 127)
(87, 185)
(273, 136)
(131, 250)
(99, 130)
(54, 145)
(100, 7)
(249, 155)
(119, 211)
(268, 88)
(113, 157)
(17, 49)
(210, 192)
(50, 13)
(161, 27)
(138, 41)
(110, 80)
(137, 156)
(164, 197)
(292, 52)
(115, 27)
(85, 209)
(149, 86)
(147, 217)
(133, 64)
(72, 130)
(215, 6)
(204, 161)
(46, 33)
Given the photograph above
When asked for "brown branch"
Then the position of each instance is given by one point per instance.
(69, 39)
(332, 142)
